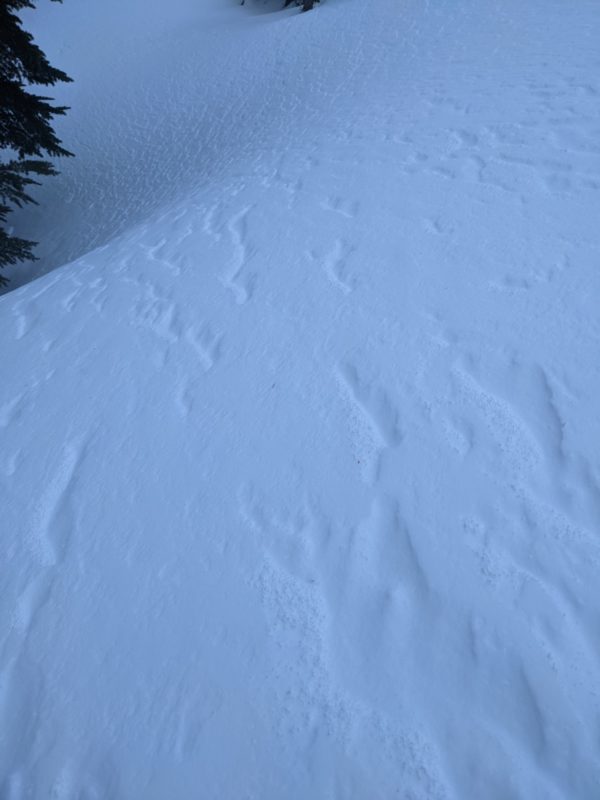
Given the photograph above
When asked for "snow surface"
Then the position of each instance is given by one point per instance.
(300, 454)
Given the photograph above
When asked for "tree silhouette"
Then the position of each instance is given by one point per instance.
(26, 134)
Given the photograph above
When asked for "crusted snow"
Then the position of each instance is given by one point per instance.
(299, 440)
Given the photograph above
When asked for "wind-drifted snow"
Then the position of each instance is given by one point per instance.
(300, 456)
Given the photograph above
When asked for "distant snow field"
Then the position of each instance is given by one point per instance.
(299, 430)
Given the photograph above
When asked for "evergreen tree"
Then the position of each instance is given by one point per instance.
(26, 134)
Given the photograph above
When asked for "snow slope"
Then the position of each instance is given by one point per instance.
(299, 457)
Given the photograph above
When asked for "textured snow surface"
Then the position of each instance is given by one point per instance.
(299, 432)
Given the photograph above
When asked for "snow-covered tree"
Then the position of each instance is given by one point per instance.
(26, 134)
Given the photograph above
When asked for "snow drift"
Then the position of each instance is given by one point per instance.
(299, 465)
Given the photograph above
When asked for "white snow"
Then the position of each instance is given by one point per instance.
(299, 439)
